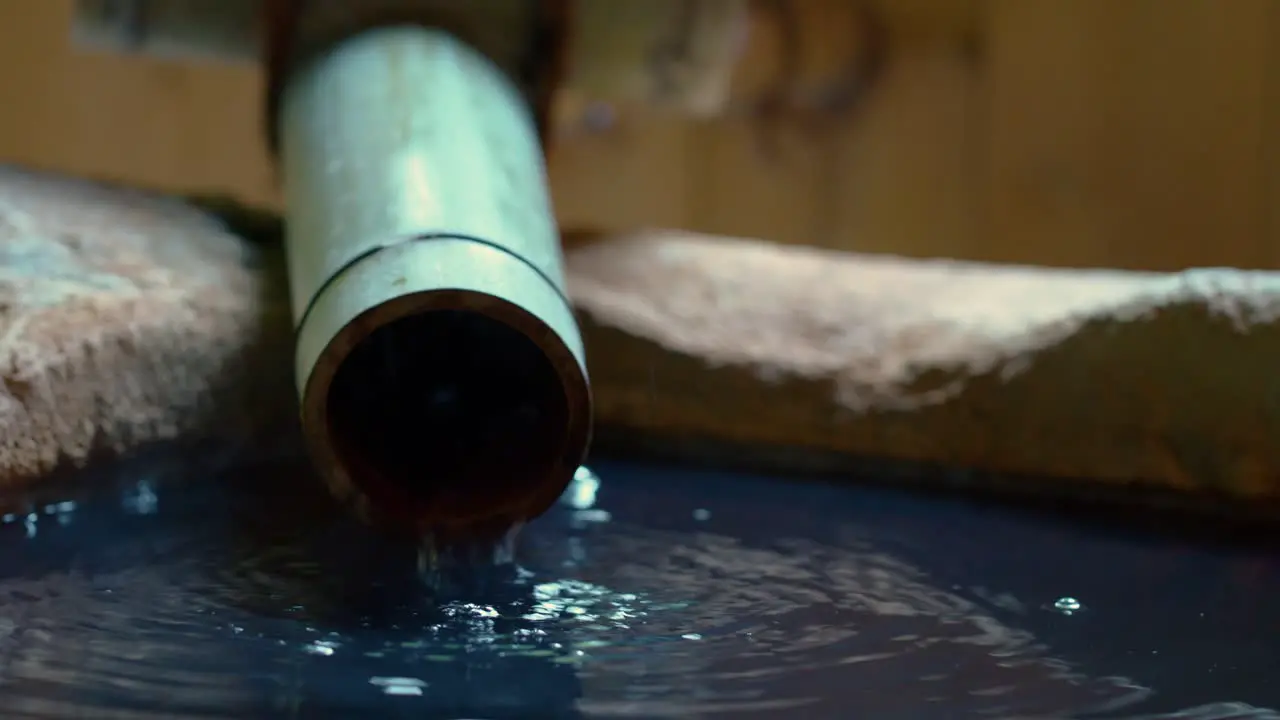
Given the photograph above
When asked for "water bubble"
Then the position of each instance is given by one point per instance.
(399, 685)
(702, 514)
(1067, 605)
(140, 499)
(324, 648)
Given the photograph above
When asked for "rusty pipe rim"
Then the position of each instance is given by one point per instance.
(383, 501)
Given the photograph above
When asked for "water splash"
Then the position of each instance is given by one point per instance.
(458, 568)
(461, 568)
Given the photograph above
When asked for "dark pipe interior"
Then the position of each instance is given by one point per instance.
(457, 409)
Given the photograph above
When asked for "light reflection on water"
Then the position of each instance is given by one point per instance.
(244, 594)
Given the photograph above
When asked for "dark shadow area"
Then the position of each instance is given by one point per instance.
(1126, 510)
(457, 410)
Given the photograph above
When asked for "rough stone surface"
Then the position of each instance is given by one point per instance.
(1122, 378)
(127, 318)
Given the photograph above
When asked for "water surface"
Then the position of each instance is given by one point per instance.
(184, 589)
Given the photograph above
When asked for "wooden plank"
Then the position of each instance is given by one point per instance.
(904, 177)
(755, 180)
(145, 121)
(189, 127)
(634, 173)
(1271, 136)
(1134, 133)
(895, 173)
(1128, 132)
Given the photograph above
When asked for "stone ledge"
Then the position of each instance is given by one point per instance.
(127, 318)
(1123, 378)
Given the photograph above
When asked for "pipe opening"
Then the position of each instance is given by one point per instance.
(454, 411)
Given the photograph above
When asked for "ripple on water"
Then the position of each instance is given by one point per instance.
(250, 596)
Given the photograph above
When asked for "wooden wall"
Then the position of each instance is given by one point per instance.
(1132, 133)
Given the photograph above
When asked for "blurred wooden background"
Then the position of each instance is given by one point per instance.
(1130, 133)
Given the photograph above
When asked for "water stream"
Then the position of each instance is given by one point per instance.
(177, 588)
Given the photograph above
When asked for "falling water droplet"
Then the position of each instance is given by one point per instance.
(581, 493)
